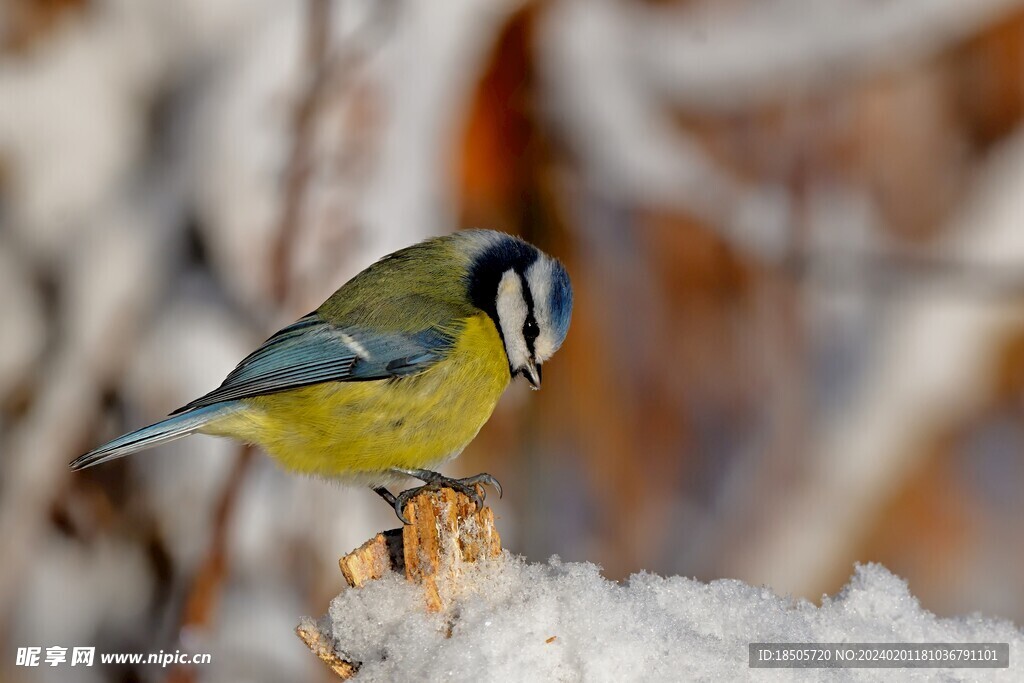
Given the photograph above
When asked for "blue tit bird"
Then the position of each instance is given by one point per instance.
(395, 373)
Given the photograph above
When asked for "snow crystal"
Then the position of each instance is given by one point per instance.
(517, 621)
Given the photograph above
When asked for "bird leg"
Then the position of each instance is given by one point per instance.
(434, 481)
(388, 497)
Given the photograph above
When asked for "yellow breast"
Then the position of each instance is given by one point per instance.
(352, 430)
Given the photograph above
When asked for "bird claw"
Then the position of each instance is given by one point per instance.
(401, 499)
(483, 479)
(436, 482)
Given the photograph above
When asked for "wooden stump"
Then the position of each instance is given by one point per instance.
(323, 648)
(445, 532)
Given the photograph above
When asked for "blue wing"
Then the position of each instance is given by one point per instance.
(312, 350)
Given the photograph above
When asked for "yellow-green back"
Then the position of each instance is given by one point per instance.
(411, 289)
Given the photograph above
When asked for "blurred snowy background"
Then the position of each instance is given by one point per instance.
(795, 230)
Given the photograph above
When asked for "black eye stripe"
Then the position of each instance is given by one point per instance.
(530, 328)
(527, 293)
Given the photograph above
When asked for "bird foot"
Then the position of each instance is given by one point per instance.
(435, 482)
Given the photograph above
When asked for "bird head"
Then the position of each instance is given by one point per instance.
(528, 296)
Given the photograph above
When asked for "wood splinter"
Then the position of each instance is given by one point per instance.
(445, 531)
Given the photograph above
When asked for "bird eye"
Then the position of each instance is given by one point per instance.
(531, 330)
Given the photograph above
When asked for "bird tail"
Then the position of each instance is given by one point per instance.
(171, 429)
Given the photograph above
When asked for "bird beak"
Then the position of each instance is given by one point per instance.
(532, 374)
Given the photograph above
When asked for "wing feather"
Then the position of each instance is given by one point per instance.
(312, 350)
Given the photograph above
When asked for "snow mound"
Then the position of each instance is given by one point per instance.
(561, 621)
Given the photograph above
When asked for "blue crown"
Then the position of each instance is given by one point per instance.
(560, 300)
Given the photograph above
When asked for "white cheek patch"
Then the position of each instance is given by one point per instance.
(538, 277)
(512, 312)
